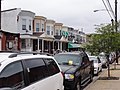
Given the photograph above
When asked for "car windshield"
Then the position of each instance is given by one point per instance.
(68, 59)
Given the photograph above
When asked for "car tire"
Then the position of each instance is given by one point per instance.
(78, 85)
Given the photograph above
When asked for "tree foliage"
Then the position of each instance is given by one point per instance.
(105, 40)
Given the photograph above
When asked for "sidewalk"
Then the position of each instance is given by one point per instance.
(107, 84)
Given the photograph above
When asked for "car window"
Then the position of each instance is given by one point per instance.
(69, 59)
(37, 69)
(85, 60)
(52, 66)
(12, 76)
(99, 61)
(95, 61)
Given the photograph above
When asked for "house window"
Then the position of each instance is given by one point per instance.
(56, 32)
(23, 44)
(30, 25)
(60, 32)
(48, 30)
(42, 27)
(51, 32)
(23, 24)
(37, 27)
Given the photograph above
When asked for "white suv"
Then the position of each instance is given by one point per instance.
(29, 72)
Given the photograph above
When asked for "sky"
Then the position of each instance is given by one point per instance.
(73, 13)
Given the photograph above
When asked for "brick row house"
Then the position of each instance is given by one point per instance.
(22, 30)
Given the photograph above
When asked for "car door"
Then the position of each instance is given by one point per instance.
(87, 66)
(55, 80)
(82, 69)
(40, 76)
(37, 73)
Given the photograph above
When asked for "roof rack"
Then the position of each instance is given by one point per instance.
(16, 53)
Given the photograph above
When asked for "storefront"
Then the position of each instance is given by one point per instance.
(9, 41)
(74, 47)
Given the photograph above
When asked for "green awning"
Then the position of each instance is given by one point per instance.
(73, 45)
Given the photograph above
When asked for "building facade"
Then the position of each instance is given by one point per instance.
(39, 28)
(22, 30)
(9, 37)
(58, 36)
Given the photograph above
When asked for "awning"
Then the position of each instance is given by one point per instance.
(27, 36)
(73, 45)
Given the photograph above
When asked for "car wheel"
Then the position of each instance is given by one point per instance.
(78, 86)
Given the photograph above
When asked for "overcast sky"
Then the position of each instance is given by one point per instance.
(73, 13)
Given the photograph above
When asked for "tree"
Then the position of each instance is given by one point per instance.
(105, 40)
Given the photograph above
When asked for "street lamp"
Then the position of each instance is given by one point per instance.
(101, 10)
(109, 14)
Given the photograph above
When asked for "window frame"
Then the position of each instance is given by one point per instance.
(37, 27)
(53, 73)
(27, 71)
(24, 24)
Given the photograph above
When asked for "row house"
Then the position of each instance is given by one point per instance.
(25, 28)
(39, 28)
(58, 36)
(17, 21)
(44, 30)
(26, 32)
(76, 39)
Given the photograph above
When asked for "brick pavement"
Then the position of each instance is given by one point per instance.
(107, 84)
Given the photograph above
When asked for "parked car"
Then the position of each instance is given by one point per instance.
(103, 59)
(77, 69)
(29, 72)
(97, 64)
(112, 57)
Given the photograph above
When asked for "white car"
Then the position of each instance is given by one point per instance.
(29, 72)
(97, 64)
(103, 60)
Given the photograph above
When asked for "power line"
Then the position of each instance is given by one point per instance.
(107, 9)
(110, 8)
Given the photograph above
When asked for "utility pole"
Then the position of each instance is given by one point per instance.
(116, 16)
(116, 24)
